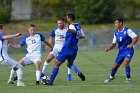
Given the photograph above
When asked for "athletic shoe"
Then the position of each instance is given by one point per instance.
(20, 83)
(109, 79)
(69, 77)
(81, 76)
(37, 82)
(11, 82)
(128, 80)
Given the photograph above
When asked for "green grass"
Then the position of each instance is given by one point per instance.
(47, 26)
(95, 65)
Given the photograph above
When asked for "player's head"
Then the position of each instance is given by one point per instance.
(70, 17)
(118, 22)
(31, 29)
(2, 30)
(60, 22)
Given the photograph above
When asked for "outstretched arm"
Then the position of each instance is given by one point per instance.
(13, 46)
(11, 36)
(47, 43)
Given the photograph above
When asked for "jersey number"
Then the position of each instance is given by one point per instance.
(33, 41)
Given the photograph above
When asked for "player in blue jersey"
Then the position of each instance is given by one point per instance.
(33, 42)
(5, 60)
(57, 37)
(125, 38)
(68, 51)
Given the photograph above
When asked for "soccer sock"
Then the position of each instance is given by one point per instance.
(127, 69)
(69, 70)
(75, 69)
(53, 74)
(12, 74)
(113, 72)
(19, 74)
(37, 75)
(45, 66)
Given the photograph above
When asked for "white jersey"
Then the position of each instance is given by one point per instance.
(3, 48)
(33, 43)
(59, 36)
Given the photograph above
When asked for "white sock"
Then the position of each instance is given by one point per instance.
(12, 74)
(45, 66)
(38, 75)
(19, 74)
(69, 70)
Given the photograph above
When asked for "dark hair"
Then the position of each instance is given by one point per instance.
(119, 19)
(71, 16)
(60, 18)
(32, 25)
(1, 26)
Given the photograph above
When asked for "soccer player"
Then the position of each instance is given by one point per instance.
(58, 35)
(5, 59)
(33, 42)
(68, 51)
(125, 38)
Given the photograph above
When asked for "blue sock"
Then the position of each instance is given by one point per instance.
(127, 69)
(53, 75)
(74, 68)
(113, 72)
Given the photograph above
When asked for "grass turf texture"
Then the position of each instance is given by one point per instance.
(96, 66)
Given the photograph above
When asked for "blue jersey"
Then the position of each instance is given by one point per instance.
(123, 39)
(70, 46)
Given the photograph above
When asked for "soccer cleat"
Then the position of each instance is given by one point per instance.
(20, 83)
(128, 80)
(46, 82)
(42, 75)
(37, 82)
(109, 79)
(11, 82)
(81, 76)
(69, 77)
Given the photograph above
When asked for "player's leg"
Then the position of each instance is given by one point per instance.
(128, 57)
(38, 73)
(46, 64)
(74, 68)
(11, 77)
(69, 72)
(54, 72)
(117, 63)
(127, 69)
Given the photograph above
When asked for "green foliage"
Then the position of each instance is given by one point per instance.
(4, 15)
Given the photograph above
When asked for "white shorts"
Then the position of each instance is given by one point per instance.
(55, 51)
(30, 59)
(10, 63)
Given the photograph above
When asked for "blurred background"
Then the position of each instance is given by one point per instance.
(95, 16)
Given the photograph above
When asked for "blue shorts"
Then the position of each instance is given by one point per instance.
(124, 54)
(63, 57)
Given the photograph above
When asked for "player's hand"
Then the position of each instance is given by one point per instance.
(18, 34)
(107, 49)
(10, 45)
(130, 46)
(48, 48)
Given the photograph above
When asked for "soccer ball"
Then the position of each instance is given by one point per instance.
(45, 79)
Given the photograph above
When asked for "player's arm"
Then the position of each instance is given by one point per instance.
(112, 45)
(48, 44)
(134, 38)
(11, 36)
(13, 46)
(82, 35)
(51, 40)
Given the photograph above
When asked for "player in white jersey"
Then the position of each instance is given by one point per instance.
(58, 35)
(5, 59)
(33, 42)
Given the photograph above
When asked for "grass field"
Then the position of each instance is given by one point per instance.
(95, 65)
